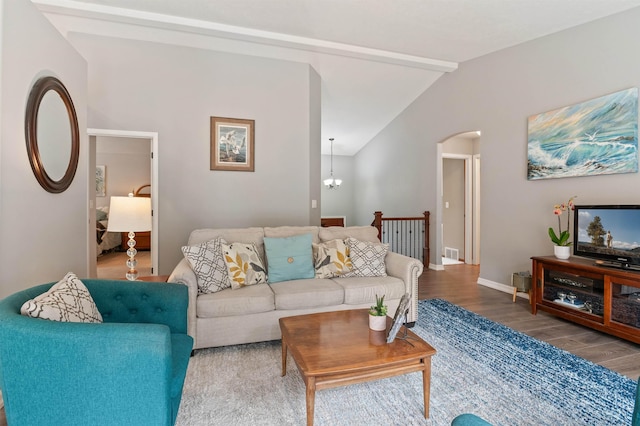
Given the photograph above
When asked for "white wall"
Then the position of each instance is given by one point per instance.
(495, 94)
(42, 235)
(173, 90)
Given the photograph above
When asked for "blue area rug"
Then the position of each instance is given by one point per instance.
(481, 367)
(553, 386)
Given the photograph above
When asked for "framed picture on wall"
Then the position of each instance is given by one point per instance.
(101, 181)
(595, 137)
(232, 144)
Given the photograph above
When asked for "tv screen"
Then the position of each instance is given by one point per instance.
(609, 234)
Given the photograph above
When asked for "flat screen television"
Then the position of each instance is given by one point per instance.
(610, 234)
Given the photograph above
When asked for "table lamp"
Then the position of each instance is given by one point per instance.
(130, 214)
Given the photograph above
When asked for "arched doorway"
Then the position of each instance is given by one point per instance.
(458, 230)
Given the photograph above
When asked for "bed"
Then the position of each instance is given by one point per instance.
(106, 241)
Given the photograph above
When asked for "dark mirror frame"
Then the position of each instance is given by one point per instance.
(39, 89)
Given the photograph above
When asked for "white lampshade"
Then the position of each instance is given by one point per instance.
(129, 214)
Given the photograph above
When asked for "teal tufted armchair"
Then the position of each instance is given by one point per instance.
(129, 370)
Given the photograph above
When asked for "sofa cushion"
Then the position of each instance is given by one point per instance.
(359, 290)
(290, 231)
(244, 264)
(252, 299)
(303, 294)
(362, 233)
(331, 259)
(289, 258)
(367, 259)
(208, 264)
(68, 301)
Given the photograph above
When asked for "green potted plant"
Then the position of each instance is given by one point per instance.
(378, 315)
(562, 244)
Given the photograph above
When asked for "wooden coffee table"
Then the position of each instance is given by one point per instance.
(337, 349)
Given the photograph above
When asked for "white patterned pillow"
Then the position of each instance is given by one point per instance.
(367, 259)
(208, 264)
(331, 259)
(244, 265)
(68, 301)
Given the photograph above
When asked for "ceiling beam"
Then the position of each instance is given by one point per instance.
(213, 29)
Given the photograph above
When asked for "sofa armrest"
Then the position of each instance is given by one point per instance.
(408, 270)
(74, 373)
(183, 274)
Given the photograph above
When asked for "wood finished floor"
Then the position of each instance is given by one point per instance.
(458, 285)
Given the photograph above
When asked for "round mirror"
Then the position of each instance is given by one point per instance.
(52, 135)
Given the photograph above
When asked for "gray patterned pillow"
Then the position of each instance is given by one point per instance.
(367, 259)
(207, 262)
(68, 301)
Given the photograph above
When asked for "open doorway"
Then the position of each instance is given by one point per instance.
(458, 231)
(126, 163)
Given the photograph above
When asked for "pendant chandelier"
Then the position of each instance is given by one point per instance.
(331, 182)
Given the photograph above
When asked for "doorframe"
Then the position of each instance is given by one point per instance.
(475, 260)
(153, 137)
(468, 201)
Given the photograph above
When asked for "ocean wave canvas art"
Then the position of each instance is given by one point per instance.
(596, 137)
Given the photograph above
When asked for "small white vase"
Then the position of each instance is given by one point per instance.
(562, 252)
(377, 323)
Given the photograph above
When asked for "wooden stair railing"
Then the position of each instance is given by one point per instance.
(405, 235)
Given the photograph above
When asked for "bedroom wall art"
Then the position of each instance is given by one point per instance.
(232, 144)
(596, 137)
(101, 181)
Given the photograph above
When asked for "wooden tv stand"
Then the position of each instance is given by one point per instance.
(606, 299)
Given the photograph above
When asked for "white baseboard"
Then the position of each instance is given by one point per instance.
(501, 287)
(1, 401)
(436, 267)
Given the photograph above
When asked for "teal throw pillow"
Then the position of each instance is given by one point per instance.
(289, 258)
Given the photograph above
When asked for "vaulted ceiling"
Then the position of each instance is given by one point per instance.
(374, 56)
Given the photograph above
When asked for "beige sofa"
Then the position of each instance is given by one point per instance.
(251, 313)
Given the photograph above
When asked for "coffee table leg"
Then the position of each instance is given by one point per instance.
(426, 380)
(284, 357)
(311, 399)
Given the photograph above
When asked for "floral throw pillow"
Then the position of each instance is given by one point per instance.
(244, 265)
(367, 259)
(331, 259)
(208, 264)
(67, 301)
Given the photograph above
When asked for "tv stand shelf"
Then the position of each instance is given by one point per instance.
(579, 290)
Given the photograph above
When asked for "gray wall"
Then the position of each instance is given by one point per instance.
(495, 94)
(42, 235)
(173, 90)
(453, 205)
(339, 202)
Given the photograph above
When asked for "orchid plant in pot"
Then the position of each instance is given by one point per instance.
(378, 315)
(561, 241)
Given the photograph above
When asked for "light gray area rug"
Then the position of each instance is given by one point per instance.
(482, 367)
